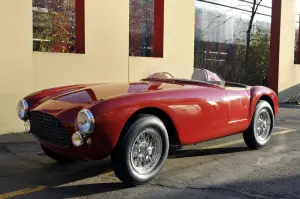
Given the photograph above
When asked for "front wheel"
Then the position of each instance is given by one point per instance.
(142, 150)
(259, 132)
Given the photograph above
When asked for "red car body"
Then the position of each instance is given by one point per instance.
(193, 111)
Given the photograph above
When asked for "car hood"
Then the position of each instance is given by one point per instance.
(101, 92)
(83, 97)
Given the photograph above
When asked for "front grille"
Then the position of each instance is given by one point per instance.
(48, 128)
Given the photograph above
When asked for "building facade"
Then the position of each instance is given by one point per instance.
(48, 43)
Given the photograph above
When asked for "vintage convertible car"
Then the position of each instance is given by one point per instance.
(136, 123)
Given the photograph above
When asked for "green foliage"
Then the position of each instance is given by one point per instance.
(257, 65)
(55, 27)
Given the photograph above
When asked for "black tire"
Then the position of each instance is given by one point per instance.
(121, 156)
(55, 156)
(250, 135)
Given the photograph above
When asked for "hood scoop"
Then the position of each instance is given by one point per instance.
(81, 96)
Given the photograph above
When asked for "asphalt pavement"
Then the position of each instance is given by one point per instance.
(223, 168)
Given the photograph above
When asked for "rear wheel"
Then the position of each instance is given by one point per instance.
(142, 150)
(55, 156)
(259, 132)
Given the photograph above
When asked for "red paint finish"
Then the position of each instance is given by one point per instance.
(199, 111)
(80, 26)
(158, 32)
(274, 45)
(238, 100)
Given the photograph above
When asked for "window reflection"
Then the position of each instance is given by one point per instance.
(145, 31)
(221, 39)
(54, 26)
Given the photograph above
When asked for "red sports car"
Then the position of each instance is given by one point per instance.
(136, 123)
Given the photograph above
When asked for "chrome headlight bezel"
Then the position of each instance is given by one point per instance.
(27, 126)
(22, 109)
(85, 122)
(77, 139)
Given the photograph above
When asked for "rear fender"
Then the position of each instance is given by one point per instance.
(262, 93)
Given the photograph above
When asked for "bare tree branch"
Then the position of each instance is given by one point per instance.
(255, 6)
(134, 18)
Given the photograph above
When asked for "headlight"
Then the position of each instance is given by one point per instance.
(85, 121)
(27, 126)
(77, 139)
(22, 109)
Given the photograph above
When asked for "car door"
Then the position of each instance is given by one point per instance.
(211, 121)
(238, 100)
(238, 103)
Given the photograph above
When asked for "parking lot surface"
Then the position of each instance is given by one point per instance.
(223, 168)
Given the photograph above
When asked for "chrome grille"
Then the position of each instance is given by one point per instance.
(48, 128)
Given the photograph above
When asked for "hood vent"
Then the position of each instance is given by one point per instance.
(76, 97)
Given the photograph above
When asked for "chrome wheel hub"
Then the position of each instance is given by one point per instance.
(146, 151)
(263, 125)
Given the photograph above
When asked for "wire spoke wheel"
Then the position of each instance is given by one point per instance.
(142, 150)
(263, 125)
(146, 151)
(259, 131)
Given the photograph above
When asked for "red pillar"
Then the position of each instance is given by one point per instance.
(298, 54)
(80, 26)
(158, 32)
(274, 45)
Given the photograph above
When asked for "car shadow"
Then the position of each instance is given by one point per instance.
(67, 180)
(65, 184)
(205, 152)
(87, 190)
(78, 179)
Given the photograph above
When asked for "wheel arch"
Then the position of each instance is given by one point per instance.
(258, 93)
(256, 100)
(267, 99)
(163, 116)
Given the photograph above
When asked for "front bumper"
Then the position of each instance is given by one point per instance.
(55, 133)
(85, 152)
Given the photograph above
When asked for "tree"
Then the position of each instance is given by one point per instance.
(247, 54)
(54, 27)
(141, 22)
(255, 6)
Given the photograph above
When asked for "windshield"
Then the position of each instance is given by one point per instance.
(202, 75)
(160, 75)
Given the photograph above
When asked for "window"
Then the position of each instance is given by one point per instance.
(297, 46)
(146, 23)
(222, 44)
(58, 26)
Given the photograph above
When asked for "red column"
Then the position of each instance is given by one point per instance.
(80, 26)
(298, 54)
(274, 45)
(158, 32)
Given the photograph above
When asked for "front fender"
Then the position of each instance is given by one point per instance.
(36, 98)
(110, 124)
